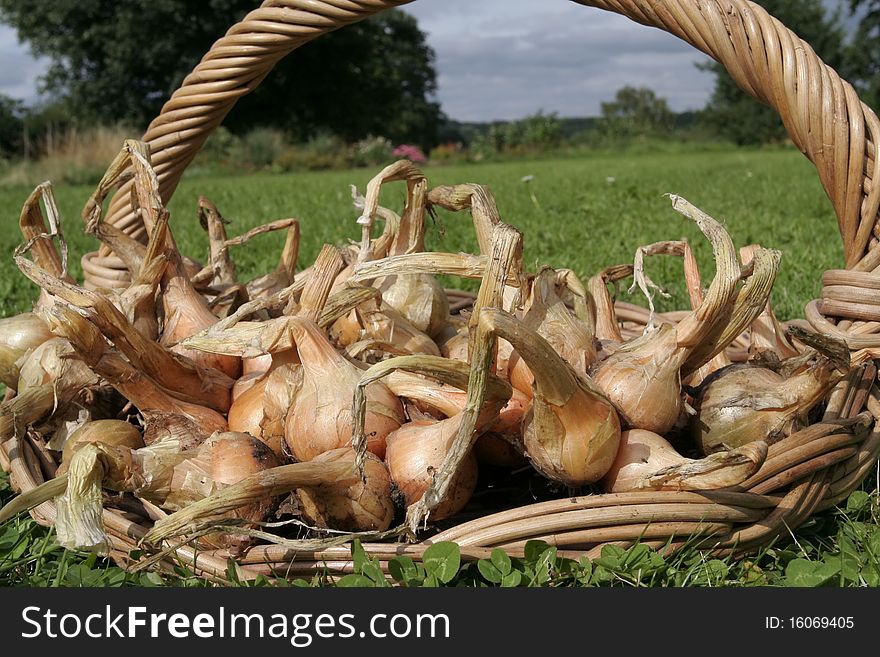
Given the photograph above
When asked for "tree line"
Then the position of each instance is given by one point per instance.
(118, 61)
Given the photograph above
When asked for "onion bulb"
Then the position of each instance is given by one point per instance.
(500, 445)
(358, 504)
(643, 379)
(224, 459)
(549, 317)
(647, 461)
(643, 375)
(18, 335)
(321, 419)
(742, 403)
(262, 410)
(187, 313)
(571, 433)
(416, 449)
(384, 323)
(330, 492)
(110, 432)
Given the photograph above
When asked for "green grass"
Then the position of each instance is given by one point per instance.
(577, 219)
(583, 213)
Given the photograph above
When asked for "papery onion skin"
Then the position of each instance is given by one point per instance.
(18, 335)
(232, 457)
(364, 506)
(418, 448)
(740, 404)
(554, 438)
(642, 379)
(117, 433)
(44, 364)
(320, 419)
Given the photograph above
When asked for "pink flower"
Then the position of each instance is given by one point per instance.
(409, 152)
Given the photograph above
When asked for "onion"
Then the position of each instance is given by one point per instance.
(321, 417)
(415, 450)
(643, 376)
(643, 379)
(187, 313)
(224, 459)
(572, 431)
(647, 461)
(550, 318)
(500, 445)
(418, 448)
(456, 347)
(385, 324)
(742, 403)
(146, 472)
(418, 297)
(18, 335)
(328, 489)
(110, 432)
(49, 362)
(262, 409)
(360, 504)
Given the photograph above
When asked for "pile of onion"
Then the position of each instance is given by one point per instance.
(357, 394)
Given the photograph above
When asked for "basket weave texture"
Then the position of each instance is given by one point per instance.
(807, 472)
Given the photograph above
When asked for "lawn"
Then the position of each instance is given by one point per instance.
(583, 213)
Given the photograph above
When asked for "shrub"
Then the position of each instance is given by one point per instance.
(449, 152)
(323, 151)
(260, 147)
(409, 152)
(371, 151)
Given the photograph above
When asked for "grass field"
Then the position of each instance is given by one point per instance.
(582, 213)
(587, 213)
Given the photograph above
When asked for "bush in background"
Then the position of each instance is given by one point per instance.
(409, 152)
(261, 147)
(372, 151)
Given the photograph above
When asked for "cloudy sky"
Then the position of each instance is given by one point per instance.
(504, 59)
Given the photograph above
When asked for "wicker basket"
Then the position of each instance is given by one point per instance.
(807, 472)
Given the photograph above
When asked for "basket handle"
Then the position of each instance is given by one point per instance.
(821, 112)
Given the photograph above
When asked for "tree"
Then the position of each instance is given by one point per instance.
(737, 116)
(119, 60)
(11, 126)
(863, 55)
(636, 112)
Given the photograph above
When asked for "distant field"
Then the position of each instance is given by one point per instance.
(587, 213)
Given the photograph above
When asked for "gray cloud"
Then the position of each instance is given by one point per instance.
(19, 70)
(502, 59)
